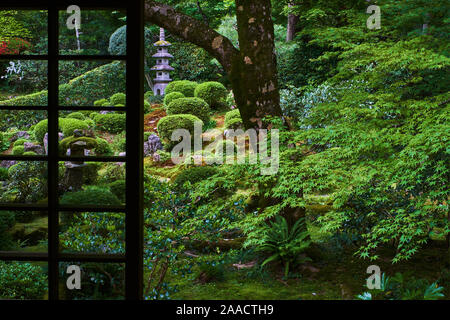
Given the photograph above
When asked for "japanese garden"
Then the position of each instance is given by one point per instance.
(351, 98)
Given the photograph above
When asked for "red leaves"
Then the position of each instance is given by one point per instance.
(14, 46)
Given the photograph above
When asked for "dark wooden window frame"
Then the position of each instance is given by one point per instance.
(133, 257)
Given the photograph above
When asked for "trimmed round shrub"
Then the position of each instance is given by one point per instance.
(118, 99)
(214, 93)
(68, 126)
(92, 195)
(65, 143)
(167, 125)
(29, 153)
(22, 280)
(40, 130)
(110, 122)
(118, 40)
(172, 96)
(76, 115)
(195, 106)
(103, 148)
(101, 102)
(194, 175)
(19, 142)
(18, 151)
(186, 87)
(118, 189)
(233, 119)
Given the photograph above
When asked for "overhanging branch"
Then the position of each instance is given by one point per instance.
(193, 31)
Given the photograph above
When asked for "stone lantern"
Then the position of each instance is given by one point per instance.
(162, 66)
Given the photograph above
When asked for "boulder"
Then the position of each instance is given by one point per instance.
(7, 163)
(36, 148)
(60, 137)
(20, 135)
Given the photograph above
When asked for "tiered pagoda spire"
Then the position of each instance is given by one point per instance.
(162, 66)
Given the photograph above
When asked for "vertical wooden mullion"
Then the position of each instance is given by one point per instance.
(135, 141)
(53, 246)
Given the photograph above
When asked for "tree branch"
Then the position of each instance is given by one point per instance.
(188, 28)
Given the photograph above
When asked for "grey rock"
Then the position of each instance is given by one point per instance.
(36, 148)
(60, 137)
(7, 163)
(20, 135)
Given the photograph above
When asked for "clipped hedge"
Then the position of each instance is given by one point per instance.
(233, 119)
(76, 115)
(18, 151)
(195, 106)
(194, 175)
(92, 195)
(66, 125)
(110, 122)
(169, 124)
(172, 96)
(81, 91)
(214, 93)
(186, 87)
(118, 99)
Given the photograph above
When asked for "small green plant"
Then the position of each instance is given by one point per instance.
(400, 287)
(285, 245)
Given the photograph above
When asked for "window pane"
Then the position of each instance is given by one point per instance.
(23, 231)
(92, 133)
(24, 182)
(90, 84)
(23, 132)
(91, 35)
(23, 82)
(23, 32)
(93, 232)
(99, 281)
(92, 184)
(23, 280)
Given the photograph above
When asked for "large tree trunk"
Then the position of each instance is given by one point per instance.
(252, 69)
(292, 25)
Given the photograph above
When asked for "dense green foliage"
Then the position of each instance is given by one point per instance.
(168, 98)
(20, 280)
(195, 106)
(167, 125)
(184, 86)
(214, 93)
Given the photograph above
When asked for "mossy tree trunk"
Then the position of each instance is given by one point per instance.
(252, 68)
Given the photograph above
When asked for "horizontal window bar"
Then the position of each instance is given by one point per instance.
(78, 257)
(28, 108)
(88, 108)
(23, 158)
(93, 159)
(23, 256)
(61, 57)
(80, 208)
(23, 207)
(91, 257)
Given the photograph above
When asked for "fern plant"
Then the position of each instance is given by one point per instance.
(401, 287)
(285, 245)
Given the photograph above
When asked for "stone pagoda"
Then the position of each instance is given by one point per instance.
(162, 67)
